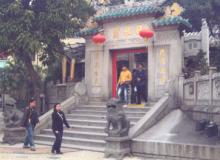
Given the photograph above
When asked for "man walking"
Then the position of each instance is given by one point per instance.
(29, 122)
(141, 81)
(123, 82)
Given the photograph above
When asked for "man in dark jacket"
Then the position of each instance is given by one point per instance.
(58, 119)
(134, 87)
(141, 82)
(29, 122)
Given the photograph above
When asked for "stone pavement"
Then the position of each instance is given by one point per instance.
(43, 153)
(16, 152)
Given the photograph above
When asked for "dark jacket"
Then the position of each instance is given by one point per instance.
(31, 114)
(58, 119)
(134, 78)
(142, 76)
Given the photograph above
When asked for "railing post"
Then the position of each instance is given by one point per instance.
(196, 77)
(181, 89)
(212, 70)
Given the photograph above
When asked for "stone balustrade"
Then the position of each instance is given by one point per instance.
(202, 90)
(201, 95)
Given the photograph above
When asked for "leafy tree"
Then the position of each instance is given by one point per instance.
(193, 63)
(215, 57)
(28, 27)
(195, 10)
(15, 80)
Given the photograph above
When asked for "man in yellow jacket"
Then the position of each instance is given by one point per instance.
(123, 82)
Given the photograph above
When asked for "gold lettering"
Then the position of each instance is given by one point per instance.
(116, 32)
(138, 29)
(162, 57)
(163, 70)
(127, 31)
(163, 79)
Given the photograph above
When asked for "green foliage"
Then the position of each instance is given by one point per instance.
(215, 57)
(15, 80)
(28, 27)
(195, 10)
(194, 63)
(54, 72)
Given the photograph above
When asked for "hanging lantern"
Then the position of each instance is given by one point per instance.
(146, 33)
(98, 38)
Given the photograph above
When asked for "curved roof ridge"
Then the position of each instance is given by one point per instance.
(128, 12)
(172, 20)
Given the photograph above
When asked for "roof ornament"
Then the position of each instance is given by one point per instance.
(174, 10)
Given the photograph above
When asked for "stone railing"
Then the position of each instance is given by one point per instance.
(158, 111)
(202, 90)
(45, 119)
(168, 102)
(60, 92)
(201, 95)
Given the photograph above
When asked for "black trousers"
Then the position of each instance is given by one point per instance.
(58, 141)
(141, 93)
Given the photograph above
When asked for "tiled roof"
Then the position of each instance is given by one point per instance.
(87, 32)
(192, 36)
(177, 20)
(174, 20)
(128, 12)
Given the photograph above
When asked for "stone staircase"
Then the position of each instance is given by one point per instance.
(87, 127)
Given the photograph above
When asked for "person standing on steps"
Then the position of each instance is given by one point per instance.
(134, 87)
(58, 119)
(29, 122)
(124, 82)
(141, 82)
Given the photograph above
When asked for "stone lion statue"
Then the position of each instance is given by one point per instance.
(117, 123)
(12, 116)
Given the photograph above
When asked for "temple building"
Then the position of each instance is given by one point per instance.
(161, 55)
(120, 25)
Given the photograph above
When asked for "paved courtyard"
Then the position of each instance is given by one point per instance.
(16, 152)
(43, 153)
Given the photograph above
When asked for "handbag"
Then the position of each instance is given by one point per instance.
(119, 90)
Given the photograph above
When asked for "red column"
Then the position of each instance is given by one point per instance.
(114, 74)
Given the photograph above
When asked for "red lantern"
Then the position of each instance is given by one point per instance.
(146, 33)
(98, 39)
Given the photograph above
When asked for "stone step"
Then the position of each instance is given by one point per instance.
(87, 112)
(96, 117)
(87, 124)
(90, 122)
(78, 134)
(71, 140)
(96, 129)
(103, 108)
(73, 146)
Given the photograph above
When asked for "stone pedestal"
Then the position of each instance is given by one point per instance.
(14, 135)
(117, 147)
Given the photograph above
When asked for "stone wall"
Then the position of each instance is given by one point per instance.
(201, 96)
(60, 92)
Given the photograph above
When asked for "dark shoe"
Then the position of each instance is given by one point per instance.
(53, 151)
(33, 149)
(25, 147)
(59, 153)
